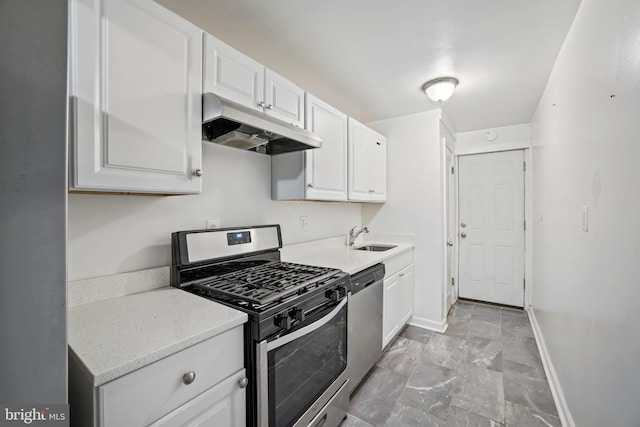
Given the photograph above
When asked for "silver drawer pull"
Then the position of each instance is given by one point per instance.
(243, 382)
(189, 377)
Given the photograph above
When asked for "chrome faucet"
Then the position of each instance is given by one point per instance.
(353, 234)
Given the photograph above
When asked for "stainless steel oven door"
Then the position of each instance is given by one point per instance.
(294, 370)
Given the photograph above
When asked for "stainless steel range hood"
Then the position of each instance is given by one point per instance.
(225, 122)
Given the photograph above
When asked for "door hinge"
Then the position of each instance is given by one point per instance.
(453, 281)
(525, 225)
(452, 170)
(524, 166)
(524, 283)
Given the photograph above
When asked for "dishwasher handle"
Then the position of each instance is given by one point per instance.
(366, 278)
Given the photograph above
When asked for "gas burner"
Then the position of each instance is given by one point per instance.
(264, 284)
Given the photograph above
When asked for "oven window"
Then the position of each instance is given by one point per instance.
(300, 371)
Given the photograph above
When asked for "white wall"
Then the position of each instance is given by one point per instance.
(414, 204)
(111, 234)
(586, 148)
(252, 41)
(506, 138)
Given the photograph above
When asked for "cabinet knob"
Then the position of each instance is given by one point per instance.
(310, 185)
(270, 106)
(243, 382)
(197, 172)
(189, 377)
(261, 104)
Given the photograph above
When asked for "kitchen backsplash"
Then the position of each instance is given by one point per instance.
(111, 234)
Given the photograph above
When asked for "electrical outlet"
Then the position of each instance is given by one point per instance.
(212, 223)
(304, 222)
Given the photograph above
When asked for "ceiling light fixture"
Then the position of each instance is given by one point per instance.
(440, 89)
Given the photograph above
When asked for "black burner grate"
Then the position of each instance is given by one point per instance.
(266, 283)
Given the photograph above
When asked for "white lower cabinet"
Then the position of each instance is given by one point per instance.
(397, 305)
(204, 384)
(222, 405)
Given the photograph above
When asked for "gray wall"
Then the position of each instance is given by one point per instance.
(33, 70)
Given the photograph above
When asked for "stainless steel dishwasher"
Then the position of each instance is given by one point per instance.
(364, 339)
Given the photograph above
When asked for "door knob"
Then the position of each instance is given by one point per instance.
(449, 242)
(463, 234)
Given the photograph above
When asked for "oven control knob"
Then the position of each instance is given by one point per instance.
(298, 314)
(283, 321)
(343, 291)
(334, 294)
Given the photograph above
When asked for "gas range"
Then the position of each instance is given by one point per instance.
(256, 281)
(291, 308)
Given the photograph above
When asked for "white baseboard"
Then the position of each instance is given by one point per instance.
(421, 322)
(556, 390)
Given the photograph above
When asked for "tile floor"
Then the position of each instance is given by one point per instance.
(484, 371)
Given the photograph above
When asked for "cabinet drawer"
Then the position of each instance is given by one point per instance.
(222, 406)
(397, 263)
(143, 396)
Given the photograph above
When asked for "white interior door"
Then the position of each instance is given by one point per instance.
(491, 228)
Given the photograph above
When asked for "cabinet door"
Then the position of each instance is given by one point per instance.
(233, 75)
(378, 167)
(284, 100)
(391, 308)
(326, 167)
(135, 96)
(222, 406)
(360, 160)
(406, 295)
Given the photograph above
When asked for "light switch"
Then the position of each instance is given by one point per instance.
(585, 218)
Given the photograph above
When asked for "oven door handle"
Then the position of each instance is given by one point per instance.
(307, 329)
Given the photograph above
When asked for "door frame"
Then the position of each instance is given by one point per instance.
(527, 215)
(450, 218)
(448, 141)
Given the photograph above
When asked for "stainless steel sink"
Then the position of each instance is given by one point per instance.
(375, 248)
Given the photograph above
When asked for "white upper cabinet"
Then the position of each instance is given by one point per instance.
(283, 99)
(326, 171)
(135, 96)
(238, 78)
(367, 164)
(232, 75)
(320, 173)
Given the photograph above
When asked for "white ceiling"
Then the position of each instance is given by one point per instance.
(377, 54)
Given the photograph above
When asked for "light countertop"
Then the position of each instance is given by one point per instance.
(336, 254)
(116, 336)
